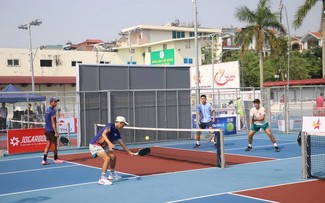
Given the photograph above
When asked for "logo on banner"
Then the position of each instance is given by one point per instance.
(316, 124)
(14, 141)
(27, 140)
(222, 78)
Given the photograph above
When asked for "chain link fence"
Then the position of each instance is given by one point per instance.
(161, 109)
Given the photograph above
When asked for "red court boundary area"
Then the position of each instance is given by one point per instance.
(312, 191)
(155, 164)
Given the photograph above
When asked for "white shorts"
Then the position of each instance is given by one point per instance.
(94, 149)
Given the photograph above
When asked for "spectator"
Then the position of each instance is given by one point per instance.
(320, 105)
(29, 110)
(3, 116)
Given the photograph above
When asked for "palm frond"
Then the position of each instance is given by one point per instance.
(302, 12)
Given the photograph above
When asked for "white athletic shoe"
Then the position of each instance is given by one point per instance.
(114, 177)
(104, 181)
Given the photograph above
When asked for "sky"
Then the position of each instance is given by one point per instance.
(78, 20)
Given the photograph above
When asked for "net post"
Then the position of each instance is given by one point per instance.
(304, 154)
(222, 148)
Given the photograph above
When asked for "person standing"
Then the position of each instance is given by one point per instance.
(257, 118)
(51, 132)
(320, 104)
(3, 116)
(102, 145)
(240, 110)
(204, 119)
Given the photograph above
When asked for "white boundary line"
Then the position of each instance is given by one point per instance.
(261, 146)
(40, 169)
(249, 197)
(218, 194)
(14, 159)
(43, 189)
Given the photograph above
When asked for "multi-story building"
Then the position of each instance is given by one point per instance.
(55, 66)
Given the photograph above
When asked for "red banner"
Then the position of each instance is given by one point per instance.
(26, 140)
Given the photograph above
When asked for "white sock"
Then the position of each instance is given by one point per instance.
(275, 145)
(250, 145)
(197, 142)
(103, 176)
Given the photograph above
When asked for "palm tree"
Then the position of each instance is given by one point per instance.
(300, 16)
(262, 24)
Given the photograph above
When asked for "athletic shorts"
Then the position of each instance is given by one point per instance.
(205, 125)
(50, 136)
(258, 127)
(95, 148)
(241, 113)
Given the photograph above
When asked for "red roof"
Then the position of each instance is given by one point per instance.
(317, 34)
(38, 80)
(318, 81)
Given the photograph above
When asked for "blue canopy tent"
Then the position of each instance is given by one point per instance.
(11, 94)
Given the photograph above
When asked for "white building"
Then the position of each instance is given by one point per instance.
(142, 44)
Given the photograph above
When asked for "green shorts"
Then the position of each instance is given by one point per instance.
(241, 113)
(258, 127)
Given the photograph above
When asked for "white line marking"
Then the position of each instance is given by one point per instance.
(260, 146)
(218, 194)
(250, 197)
(14, 159)
(39, 169)
(43, 189)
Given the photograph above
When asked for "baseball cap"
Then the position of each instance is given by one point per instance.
(121, 119)
(256, 101)
(54, 99)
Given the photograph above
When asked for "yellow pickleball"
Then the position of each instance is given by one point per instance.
(147, 138)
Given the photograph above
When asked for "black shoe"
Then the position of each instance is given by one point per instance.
(249, 148)
(276, 149)
(196, 146)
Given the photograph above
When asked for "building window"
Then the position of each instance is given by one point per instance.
(74, 63)
(104, 62)
(149, 49)
(46, 63)
(188, 61)
(176, 35)
(192, 34)
(164, 46)
(13, 62)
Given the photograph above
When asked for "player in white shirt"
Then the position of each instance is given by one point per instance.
(257, 118)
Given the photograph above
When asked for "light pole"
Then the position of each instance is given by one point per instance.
(196, 61)
(128, 34)
(27, 26)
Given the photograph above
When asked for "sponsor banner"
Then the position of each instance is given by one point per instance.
(63, 125)
(163, 57)
(314, 125)
(223, 75)
(26, 140)
(227, 123)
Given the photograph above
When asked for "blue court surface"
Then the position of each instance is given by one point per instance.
(23, 178)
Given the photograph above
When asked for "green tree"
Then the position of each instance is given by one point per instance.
(260, 30)
(299, 18)
(313, 57)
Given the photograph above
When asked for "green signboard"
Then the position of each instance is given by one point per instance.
(164, 57)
